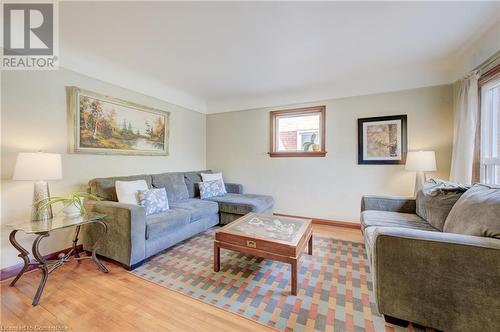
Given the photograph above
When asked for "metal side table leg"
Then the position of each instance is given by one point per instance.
(75, 243)
(23, 254)
(43, 266)
(96, 247)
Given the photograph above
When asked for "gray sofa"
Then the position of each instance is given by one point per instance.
(132, 236)
(423, 275)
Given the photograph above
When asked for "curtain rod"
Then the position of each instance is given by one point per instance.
(494, 58)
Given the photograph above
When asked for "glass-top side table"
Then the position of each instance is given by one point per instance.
(42, 229)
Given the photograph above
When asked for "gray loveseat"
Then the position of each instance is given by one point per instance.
(426, 276)
(133, 236)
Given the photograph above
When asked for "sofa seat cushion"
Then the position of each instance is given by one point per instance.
(243, 203)
(161, 223)
(197, 208)
(394, 219)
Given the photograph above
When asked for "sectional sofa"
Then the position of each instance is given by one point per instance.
(133, 237)
(427, 268)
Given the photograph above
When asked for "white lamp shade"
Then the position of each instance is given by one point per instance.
(421, 161)
(37, 166)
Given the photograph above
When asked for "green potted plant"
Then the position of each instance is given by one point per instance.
(311, 144)
(72, 204)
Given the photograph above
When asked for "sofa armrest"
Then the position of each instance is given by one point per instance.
(447, 281)
(126, 238)
(234, 188)
(388, 203)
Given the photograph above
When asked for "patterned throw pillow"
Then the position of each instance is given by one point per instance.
(205, 177)
(211, 189)
(154, 200)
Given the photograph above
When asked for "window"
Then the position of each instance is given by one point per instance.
(490, 132)
(298, 132)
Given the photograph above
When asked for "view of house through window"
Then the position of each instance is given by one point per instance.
(490, 132)
(308, 140)
(298, 132)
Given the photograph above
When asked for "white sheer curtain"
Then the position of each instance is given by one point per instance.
(466, 104)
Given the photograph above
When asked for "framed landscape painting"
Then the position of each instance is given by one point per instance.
(382, 140)
(100, 124)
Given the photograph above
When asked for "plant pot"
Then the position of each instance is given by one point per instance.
(72, 211)
(315, 147)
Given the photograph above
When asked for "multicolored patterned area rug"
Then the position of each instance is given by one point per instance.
(335, 288)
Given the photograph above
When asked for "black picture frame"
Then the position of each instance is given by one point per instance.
(404, 140)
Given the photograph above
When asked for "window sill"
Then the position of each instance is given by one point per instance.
(297, 154)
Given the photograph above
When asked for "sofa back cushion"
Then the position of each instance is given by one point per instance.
(436, 199)
(173, 183)
(105, 187)
(192, 179)
(477, 212)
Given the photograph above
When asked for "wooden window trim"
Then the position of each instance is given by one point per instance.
(272, 132)
(490, 75)
(485, 78)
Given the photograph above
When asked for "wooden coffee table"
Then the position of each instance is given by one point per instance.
(274, 237)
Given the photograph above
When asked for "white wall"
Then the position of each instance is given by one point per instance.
(34, 118)
(330, 187)
(476, 51)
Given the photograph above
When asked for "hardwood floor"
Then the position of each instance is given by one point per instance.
(343, 233)
(79, 297)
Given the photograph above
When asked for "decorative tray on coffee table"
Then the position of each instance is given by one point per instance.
(273, 227)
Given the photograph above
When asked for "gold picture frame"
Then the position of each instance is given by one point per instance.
(100, 124)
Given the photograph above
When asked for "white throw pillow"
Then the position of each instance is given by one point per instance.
(213, 177)
(128, 191)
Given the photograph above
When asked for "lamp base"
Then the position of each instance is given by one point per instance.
(419, 182)
(41, 191)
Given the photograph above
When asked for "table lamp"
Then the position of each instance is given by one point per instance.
(38, 167)
(420, 162)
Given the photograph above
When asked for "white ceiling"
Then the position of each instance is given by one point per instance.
(214, 57)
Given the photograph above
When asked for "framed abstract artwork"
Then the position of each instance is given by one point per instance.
(100, 124)
(382, 140)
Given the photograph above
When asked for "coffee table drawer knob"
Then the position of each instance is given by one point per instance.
(251, 244)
